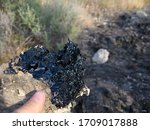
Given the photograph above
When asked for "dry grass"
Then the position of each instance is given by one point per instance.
(125, 4)
(101, 9)
(83, 17)
(122, 4)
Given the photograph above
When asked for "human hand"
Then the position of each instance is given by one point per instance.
(34, 105)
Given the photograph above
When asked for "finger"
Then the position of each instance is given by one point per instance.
(34, 105)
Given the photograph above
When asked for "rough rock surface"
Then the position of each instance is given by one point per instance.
(60, 74)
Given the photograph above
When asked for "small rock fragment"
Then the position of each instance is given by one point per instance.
(21, 93)
(101, 56)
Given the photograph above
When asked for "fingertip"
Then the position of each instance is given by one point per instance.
(35, 104)
(39, 96)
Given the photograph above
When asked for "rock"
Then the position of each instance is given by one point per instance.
(101, 56)
(36, 69)
(63, 71)
(141, 14)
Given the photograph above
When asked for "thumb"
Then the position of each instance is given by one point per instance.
(34, 105)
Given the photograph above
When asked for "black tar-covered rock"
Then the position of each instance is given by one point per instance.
(62, 70)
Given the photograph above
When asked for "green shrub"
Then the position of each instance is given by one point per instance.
(59, 20)
(29, 18)
(54, 21)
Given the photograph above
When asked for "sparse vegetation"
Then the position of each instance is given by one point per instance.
(51, 21)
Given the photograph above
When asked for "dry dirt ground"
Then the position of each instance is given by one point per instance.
(123, 83)
(120, 85)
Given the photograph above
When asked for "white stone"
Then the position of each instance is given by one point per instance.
(84, 91)
(141, 14)
(101, 56)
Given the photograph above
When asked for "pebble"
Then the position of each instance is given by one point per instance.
(101, 56)
(21, 93)
(141, 14)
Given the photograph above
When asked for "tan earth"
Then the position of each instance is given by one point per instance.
(16, 89)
